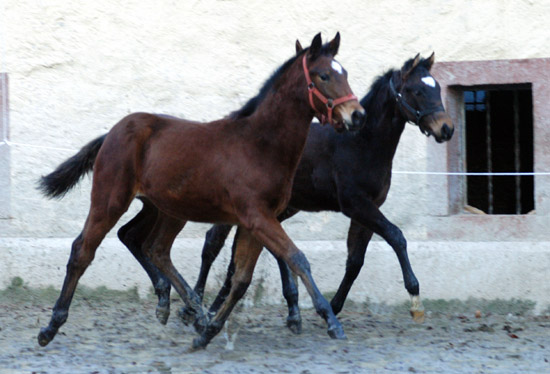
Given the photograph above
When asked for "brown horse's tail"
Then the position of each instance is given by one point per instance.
(69, 173)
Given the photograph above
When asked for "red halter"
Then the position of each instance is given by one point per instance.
(330, 103)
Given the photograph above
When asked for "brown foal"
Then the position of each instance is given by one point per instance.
(236, 170)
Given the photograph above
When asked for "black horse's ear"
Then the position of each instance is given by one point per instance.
(405, 72)
(316, 45)
(299, 47)
(430, 61)
(334, 44)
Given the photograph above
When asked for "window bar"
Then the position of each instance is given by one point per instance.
(490, 208)
(517, 161)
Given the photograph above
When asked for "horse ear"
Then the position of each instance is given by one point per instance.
(430, 61)
(405, 73)
(334, 44)
(316, 45)
(299, 47)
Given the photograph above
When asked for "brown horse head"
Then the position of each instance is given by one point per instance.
(329, 93)
(419, 98)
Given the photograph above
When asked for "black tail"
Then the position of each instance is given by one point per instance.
(69, 173)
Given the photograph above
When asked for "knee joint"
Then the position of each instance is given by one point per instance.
(300, 261)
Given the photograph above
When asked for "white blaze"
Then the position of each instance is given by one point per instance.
(336, 66)
(429, 81)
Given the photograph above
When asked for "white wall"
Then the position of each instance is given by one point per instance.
(77, 67)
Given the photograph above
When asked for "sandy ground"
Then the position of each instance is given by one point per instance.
(119, 334)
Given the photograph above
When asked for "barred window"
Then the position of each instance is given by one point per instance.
(499, 139)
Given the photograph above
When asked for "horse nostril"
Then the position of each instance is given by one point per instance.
(446, 131)
(357, 118)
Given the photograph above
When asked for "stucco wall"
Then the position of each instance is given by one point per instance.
(77, 67)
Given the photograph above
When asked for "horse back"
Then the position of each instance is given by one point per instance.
(195, 171)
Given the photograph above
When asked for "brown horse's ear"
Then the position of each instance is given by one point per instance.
(334, 44)
(299, 47)
(316, 45)
(405, 73)
(430, 61)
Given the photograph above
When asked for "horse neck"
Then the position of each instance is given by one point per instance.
(383, 131)
(281, 121)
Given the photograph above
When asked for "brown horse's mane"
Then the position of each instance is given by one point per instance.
(252, 104)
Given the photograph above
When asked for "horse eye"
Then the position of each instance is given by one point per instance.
(324, 77)
(418, 93)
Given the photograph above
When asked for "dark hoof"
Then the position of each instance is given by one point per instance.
(294, 324)
(162, 314)
(200, 324)
(200, 342)
(187, 316)
(44, 338)
(337, 333)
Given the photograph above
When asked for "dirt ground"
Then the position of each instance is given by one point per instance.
(109, 332)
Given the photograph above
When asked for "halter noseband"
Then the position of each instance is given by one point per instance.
(329, 103)
(418, 114)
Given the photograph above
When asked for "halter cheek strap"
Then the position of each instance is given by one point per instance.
(329, 103)
(418, 114)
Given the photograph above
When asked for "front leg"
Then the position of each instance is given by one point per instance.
(289, 282)
(366, 213)
(271, 234)
(290, 292)
(245, 254)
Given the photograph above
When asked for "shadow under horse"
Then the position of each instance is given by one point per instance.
(237, 170)
(341, 172)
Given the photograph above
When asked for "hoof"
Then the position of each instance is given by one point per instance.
(162, 314)
(199, 342)
(187, 316)
(43, 338)
(418, 316)
(337, 333)
(200, 324)
(294, 324)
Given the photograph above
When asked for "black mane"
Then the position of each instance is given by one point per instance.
(253, 103)
(375, 99)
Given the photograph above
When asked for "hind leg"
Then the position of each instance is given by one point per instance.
(213, 243)
(83, 252)
(133, 235)
(159, 245)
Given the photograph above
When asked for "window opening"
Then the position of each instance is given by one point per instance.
(499, 138)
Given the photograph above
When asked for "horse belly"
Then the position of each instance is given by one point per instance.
(192, 206)
(187, 190)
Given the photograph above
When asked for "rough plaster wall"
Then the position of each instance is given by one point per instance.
(77, 67)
